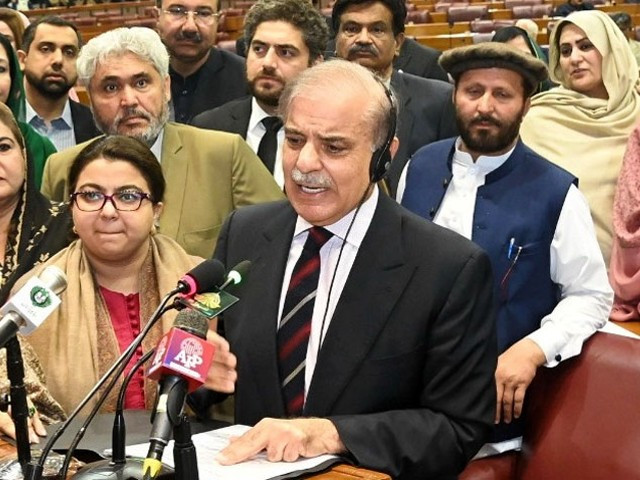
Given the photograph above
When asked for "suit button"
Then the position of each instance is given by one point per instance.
(445, 182)
(558, 358)
(432, 212)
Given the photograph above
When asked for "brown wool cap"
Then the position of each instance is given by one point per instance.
(493, 55)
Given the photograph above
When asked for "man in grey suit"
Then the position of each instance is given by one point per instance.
(285, 37)
(371, 33)
(363, 331)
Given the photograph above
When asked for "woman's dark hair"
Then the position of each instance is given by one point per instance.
(503, 35)
(124, 149)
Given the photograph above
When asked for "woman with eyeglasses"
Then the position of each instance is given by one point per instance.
(117, 271)
(32, 229)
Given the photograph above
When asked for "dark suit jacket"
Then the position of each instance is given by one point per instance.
(221, 79)
(419, 60)
(83, 124)
(406, 370)
(232, 117)
(426, 115)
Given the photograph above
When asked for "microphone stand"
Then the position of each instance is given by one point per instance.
(119, 467)
(35, 470)
(19, 408)
(184, 451)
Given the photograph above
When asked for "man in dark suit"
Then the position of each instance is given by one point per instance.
(47, 57)
(371, 33)
(202, 76)
(285, 38)
(362, 331)
(419, 60)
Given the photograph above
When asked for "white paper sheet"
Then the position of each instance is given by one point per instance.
(208, 445)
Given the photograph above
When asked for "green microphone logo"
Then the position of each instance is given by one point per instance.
(40, 297)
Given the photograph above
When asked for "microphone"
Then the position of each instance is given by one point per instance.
(236, 275)
(181, 364)
(32, 304)
(201, 278)
(212, 304)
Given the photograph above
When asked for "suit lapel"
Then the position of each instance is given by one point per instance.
(405, 124)
(240, 116)
(176, 169)
(274, 250)
(357, 321)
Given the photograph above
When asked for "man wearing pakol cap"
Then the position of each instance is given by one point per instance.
(550, 284)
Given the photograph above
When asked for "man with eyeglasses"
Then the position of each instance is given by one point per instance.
(202, 76)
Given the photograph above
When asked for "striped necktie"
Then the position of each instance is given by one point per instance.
(295, 326)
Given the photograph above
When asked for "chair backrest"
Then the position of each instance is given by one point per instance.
(523, 11)
(582, 419)
(482, 26)
(482, 37)
(418, 16)
(467, 14)
(540, 11)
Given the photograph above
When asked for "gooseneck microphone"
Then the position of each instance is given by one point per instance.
(182, 361)
(202, 279)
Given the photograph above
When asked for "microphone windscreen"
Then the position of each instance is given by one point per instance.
(208, 275)
(193, 322)
(243, 269)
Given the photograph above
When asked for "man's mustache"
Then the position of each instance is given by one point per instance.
(191, 36)
(313, 179)
(363, 48)
(485, 118)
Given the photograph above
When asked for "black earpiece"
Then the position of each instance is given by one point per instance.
(381, 158)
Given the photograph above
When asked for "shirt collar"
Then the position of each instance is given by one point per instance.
(257, 114)
(66, 113)
(485, 163)
(156, 148)
(339, 228)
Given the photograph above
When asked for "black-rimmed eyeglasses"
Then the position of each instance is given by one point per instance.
(92, 201)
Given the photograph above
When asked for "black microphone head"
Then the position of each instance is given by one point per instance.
(193, 322)
(204, 277)
(240, 272)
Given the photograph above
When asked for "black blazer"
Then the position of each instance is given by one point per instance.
(221, 79)
(232, 117)
(406, 370)
(419, 60)
(426, 114)
(83, 124)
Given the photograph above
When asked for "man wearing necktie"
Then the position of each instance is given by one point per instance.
(362, 330)
(284, 37)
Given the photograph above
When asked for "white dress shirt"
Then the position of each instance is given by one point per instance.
(323, 310)
(576, 264)
(255, 132)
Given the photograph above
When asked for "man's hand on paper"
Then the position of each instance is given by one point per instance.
(222, 374)
(284, 440)
(516, 368)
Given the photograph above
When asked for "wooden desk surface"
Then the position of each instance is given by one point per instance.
(338, 472)
(631, 326)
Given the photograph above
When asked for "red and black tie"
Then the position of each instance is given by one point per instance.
(295, 326)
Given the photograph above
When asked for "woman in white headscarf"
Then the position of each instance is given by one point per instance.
(583, 125)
